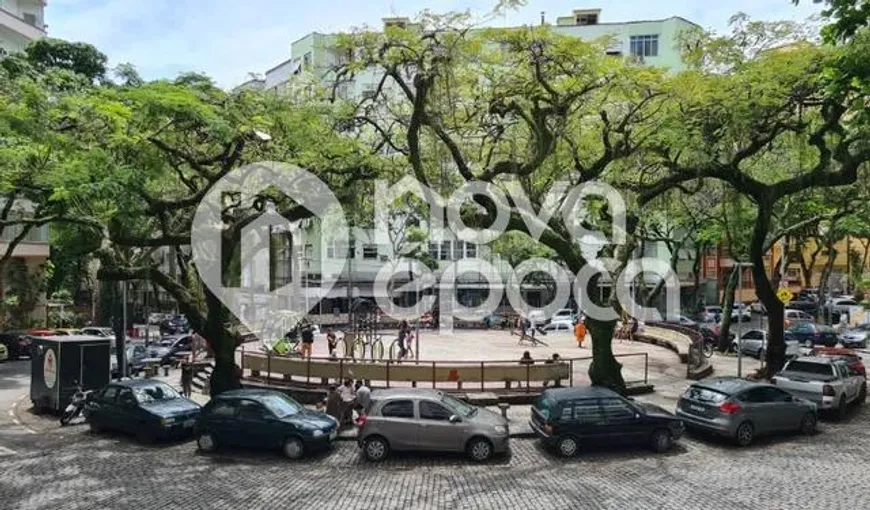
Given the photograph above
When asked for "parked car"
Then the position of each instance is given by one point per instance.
(263, 419)
(755, 344)
(17, 344)
(743, 410)
(855, 338)
(682, 320)
(40, 332)
(537, 317)
(561, 326)
(792, 317)
(810, 306)
(4, 353)
(135, 354)
(842, 305)
(828, 382)
(758, 307)
(809, 334)
(176, 325)
(568, 418)
(710, 314)
(855, 361)
(98, 331)
(67, 332)
(740, 313)
(564, 314)
(172, 345)
(431, 420)
(147, 408)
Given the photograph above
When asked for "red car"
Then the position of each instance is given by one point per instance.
(40, 332)
(851, 356)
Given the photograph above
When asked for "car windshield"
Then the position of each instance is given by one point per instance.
(809, 368)
(459, 406)
(156, 393)
(281, 405)
(705, 395)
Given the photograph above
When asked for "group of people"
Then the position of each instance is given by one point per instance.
(342, 401)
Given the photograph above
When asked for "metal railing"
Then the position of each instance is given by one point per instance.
(346, 366)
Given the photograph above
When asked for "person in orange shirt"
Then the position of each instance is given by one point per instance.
(580, 332)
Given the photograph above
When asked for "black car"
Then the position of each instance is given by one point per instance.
(263, 419)
(147, 408)
(17, 344)
(570, 417)
(809, 334)
(175, 325)
(168, 347)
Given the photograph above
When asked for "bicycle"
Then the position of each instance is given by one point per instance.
(394, 351)
(356, 347)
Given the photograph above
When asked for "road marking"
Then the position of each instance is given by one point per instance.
(13, 412)
(6, 451)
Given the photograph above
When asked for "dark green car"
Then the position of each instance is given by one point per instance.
(263, 419)
(147, 408)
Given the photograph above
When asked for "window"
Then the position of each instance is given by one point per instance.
(306, 62)
(433, 411)
(125, 396)
(109, 394)
(29, 18)
(545, 406)
(704, 395)
(370, 251)
(587, 19)
(398, 409)
(644, 45)
(752, 335)
(251, 410)
(458, 250)
(809, 367)
(433, 250)
(445, 250)
(587, 411)
(470, 250)
(224, 408)
(615, 409)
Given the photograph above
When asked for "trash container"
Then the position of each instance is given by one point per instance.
(59, 362)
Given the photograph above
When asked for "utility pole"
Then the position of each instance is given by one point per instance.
(122, 340)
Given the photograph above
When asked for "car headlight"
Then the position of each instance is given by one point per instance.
(167, 421)
(317, 433)
(501, 430)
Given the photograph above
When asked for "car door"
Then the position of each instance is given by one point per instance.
(256, 425)
(583, 419)
(220, 419)
(752, 341)
(129, 416)
(102, 408)
(399, 425)
(759, 408)
(851, 384)
(789, 415)
(436, 430)
(623, 423)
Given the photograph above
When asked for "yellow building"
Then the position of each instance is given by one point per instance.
(806, 266)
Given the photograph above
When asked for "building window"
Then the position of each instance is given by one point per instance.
(306, 62)
(587, 19)
(370, 251)
(644, 45)
(445, 250)
(470, 250)
(433, 250)
(29, 18)
(457, 250)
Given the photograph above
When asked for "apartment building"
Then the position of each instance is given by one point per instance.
(21, 21)
(28, 258)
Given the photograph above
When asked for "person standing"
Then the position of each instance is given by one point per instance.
(580, 332)
(187, 379)
(363, 396)
(404, 337)
(331, 342)
(307, 340)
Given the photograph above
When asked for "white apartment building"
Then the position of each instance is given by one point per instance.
(21, 21)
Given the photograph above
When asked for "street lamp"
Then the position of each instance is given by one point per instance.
(740, 266)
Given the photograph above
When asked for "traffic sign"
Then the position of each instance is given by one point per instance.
(784, 295)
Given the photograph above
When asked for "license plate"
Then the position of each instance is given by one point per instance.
(697, 408)
(333, 435)
(189, 423)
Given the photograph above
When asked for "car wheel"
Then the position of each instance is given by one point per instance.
(745, 434)
(145, 436)
(661, 440)
(479, 449)
(567, 446)
(841, 409)
(293, 448)
(808, 424)
(206, 442)
(375, 448)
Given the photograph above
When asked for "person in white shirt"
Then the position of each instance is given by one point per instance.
(363, 395)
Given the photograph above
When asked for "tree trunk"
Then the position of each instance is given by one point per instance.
(766, 292)
(727, 305)
(696, 276)
(604, 369)
(225, 375)
(823, 282)
(865, 243)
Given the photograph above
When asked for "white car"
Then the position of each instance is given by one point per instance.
(565, 314)
(755, 344)
(796, 316)
(536, 317)
(682, 320)
(740, 313)
(559, 327)
(758, 307)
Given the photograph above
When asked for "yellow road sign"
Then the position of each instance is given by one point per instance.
(784, 295)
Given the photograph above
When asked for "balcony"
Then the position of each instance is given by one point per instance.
(19, 26)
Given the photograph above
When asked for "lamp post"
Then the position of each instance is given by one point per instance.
(740, 266)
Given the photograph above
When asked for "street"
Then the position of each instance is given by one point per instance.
(71, 468)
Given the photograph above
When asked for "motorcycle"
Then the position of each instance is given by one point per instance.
(75, 406)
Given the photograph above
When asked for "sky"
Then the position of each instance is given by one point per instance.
(228, 39)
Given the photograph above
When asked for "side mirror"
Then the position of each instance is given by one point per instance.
(454, 419)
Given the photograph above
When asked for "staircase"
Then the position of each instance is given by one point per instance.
(201, 378)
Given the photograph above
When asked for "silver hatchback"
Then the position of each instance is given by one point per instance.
(429, 420)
